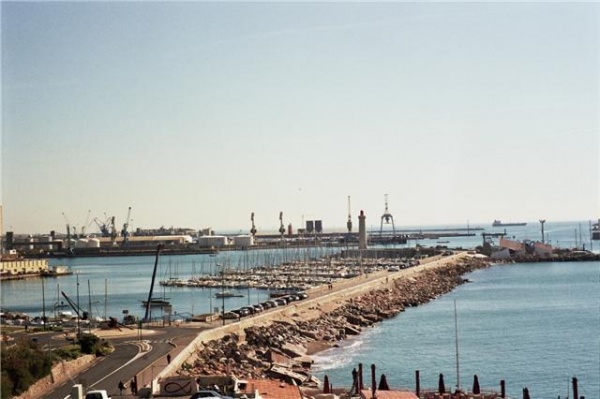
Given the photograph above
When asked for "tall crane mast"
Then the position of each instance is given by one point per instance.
(68, 231)
(281, 228)
(87, 222)
(253, 229)
(113, 230)
(124, 232)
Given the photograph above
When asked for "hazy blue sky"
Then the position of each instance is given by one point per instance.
(197, 114)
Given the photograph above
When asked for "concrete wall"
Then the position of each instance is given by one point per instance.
(60, 373)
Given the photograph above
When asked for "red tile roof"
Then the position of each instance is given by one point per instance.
(271, 389)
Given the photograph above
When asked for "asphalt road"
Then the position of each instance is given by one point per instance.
(129, 358)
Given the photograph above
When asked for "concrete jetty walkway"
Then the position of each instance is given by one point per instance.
(321, 300)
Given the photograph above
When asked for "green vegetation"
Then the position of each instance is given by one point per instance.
(92, 345)
(25, 362)
(22, 365)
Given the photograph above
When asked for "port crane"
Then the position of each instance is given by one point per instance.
(124, 231)
(68, 231)
(387, 216)
(104, 226)
(281, 228)
(253, 229)
(86, 224)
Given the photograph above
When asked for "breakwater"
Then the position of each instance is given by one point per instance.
(281, 347)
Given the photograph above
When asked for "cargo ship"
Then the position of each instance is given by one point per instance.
(498, 223)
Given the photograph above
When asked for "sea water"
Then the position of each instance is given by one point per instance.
(534, 325)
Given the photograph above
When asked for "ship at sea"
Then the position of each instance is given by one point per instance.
(498, 223)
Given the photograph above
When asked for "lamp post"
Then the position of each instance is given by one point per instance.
(223, 294)
(78, 309)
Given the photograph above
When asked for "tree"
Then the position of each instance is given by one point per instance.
(23, 364)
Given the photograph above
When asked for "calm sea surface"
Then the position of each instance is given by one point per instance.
(534, 325)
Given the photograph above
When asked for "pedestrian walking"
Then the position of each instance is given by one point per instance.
(121, 388)
(133, 386)
(168, 358)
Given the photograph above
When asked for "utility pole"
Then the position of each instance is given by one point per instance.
(78, 317)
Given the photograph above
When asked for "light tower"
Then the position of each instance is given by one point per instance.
(349, 222)
(387, 216)
(362, 231)
(542, 221)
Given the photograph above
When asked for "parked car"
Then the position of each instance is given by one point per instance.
(302, 295)
(241, 312)
(231, 315)
(258, 307)
(97, 394)
(250, 309)
(280, 302)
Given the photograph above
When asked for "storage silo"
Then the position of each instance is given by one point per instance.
(212, 241)
(318, 226)
(93, 243)
(310, 226)
(243, 241)
(81, 243)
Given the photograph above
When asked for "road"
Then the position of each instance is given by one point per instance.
(129, 358)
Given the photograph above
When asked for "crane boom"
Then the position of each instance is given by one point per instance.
(86, 224)
(124, 231)
(149, 303)
(80, 312)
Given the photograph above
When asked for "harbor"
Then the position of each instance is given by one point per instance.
(287, 270)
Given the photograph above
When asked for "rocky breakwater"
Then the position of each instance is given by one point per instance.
(282, 349)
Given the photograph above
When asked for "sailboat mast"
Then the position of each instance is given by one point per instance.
(456, 341)
(105, 297)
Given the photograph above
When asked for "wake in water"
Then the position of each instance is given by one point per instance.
(345, 353)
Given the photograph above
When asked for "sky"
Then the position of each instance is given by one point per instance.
(196, 114)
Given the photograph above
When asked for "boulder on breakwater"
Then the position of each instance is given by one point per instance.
(283, 348)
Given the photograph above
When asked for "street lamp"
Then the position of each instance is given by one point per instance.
(223, 294)
(78, 310)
